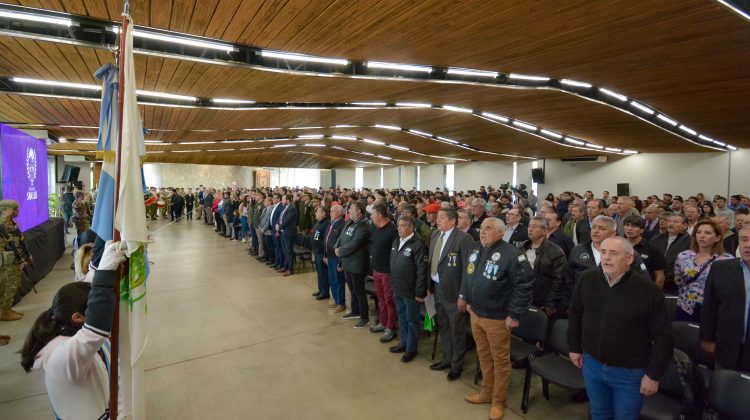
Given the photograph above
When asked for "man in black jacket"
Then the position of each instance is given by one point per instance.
(383, 234)
(496, 293)
(317, 240)
(618, 333)
(670, 244)
(448, 256)
(557, 236)
(515, 233)
(353, 247)
(725, 330)
(548, 262)
(335, 271)
(208, 201)
(408, 265)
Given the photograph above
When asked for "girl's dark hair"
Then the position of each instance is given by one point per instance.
(71, 298)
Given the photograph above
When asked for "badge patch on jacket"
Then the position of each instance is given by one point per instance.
(470, 268)
(407, 252)
(473, 257)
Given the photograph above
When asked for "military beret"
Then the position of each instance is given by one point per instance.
(8, 204)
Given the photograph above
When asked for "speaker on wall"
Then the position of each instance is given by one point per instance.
(66, 173)
(74, 170)
(623, 189)
(537, 175)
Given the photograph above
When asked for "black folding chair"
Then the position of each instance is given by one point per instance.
(671, 304)
(552, 367)
(729, 394)
(526, 340)
(667, 404)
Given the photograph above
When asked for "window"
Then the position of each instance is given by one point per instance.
(381, 176)
(359, 178)
(534, 165)
(419, 178)
(450, 180)
(299, 177)
(515, 174)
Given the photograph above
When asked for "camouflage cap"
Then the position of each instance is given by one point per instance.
(8, 204)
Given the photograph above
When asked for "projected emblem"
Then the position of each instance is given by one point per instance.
(31, 164)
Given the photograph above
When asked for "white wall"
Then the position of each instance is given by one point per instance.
(432, 176)
(469, 176)
(653, 173)
(84, 174)
(192, 175)
(371, 177)
(390, 176)
(408, 177)
(345, 177)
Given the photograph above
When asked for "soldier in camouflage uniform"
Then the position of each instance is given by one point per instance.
(153, 207)
(15, 256)
(306, 214)
(164, 197)
(81, 214)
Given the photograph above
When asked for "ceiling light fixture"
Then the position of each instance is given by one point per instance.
(393, 146)
(730, 147)
(458, 109)
(388, 127)
(524, 125)
(336, 137)
(594, 146)
(495, 117)
(413, 105)
(310, 136)
(370, 103)
(552, 134)
(514, 76)
(572, 140)
(198, 142)
(613, 149)
(641, 107)
(305, 58)
(575, 83)
(447, 140)
(379, 143)
(184, 41)
(385, 157)
(420, 133)
(470, 72)
(276, 146)
(666, 119)
(54, 83)
(166, 95)
(687, 130)
(36, 18)
(314, 145)
(395, 66)
(613, 94)
(231, 101)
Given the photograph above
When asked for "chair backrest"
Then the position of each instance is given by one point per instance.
(558, 340)
(532, 327)
(687, 339)
(670, 384)
(728, 394)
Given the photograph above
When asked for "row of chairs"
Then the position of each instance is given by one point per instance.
(547, 357)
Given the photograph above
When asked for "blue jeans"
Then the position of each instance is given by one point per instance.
(407, 310)
(243, 221)
(336, 281)
(322, 272)
(614, 392)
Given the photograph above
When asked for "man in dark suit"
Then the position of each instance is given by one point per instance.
(651, 214)
(208, 201)
(353, 248)
(335, 271)
(275, 229)
(671, 243)
(515, 232)
(288, 221)
(448, 256)
(725, 330)
(555, 235)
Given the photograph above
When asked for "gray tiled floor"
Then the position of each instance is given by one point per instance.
(232, 339)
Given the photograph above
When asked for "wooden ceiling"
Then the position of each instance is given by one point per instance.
(687, 58)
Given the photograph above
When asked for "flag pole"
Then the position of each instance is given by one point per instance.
(114, 375)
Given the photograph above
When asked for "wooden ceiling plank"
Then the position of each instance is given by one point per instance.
(161, 12)
(202, 15)
(224, 13)
(182, 13)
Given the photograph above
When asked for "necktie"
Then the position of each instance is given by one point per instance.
(330, 228)
(436, 254)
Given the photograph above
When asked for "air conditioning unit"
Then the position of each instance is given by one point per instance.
(597, 159)
(74, 158)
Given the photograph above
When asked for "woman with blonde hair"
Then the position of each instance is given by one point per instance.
(83, 258)
(691, 268)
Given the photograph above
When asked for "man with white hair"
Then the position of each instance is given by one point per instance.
(496, 292)
(619, 333)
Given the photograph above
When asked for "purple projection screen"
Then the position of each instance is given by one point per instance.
(24, 174)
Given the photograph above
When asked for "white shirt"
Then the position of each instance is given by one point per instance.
(75, 375)
(446, 235)
(509, 232)
(402, 241)
(597, 255)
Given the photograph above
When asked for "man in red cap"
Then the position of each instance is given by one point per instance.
(430, 211)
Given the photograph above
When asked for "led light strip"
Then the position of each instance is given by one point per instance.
(495, 118)
(443, 74)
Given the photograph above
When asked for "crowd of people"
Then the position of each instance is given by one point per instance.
(484, 258)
